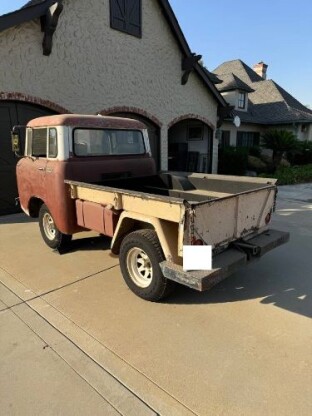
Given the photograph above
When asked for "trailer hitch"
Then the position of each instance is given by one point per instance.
(251, 250)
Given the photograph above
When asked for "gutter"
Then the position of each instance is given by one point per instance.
(24, 15)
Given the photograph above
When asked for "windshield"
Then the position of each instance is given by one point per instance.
(103, 142)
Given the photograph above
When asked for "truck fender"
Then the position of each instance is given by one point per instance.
(167, 232)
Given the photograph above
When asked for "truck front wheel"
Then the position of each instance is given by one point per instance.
(50, 233)
(140, 255)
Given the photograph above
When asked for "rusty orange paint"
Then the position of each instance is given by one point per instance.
(43, 179)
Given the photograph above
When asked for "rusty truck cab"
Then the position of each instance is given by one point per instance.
(81, 148)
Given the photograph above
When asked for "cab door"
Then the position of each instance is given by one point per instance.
(52, 168)
(46, 165)
(31, 169)
(39, 154)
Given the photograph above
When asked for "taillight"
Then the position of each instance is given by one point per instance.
(197, 242)
(268, 218)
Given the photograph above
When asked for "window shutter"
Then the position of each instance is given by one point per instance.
(125, 15)
(134, 17)
(118, 14)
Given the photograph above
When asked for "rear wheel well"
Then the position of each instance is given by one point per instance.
(34, 207)
(129, 225)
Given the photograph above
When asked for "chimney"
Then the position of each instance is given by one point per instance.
(261, 69)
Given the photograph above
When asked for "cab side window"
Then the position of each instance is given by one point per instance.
(52, 143)
(39, 143)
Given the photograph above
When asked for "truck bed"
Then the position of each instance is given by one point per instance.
(190, 187)
(217, 209)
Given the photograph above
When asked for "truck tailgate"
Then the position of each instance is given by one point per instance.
(223, 220)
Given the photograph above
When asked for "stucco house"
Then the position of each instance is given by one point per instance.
(127, 58)
(260, 103)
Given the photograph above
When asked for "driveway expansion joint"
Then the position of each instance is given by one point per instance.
(121, 398)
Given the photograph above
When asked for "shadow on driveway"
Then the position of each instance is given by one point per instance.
(16, 219)
(280, 279)
(87, 244)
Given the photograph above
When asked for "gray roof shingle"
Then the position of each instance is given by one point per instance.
(240, 69)
(269, 103)
(232, 82)
(213, 77)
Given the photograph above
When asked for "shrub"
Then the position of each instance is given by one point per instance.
(292, 175)
(254, 151)
(302, 155)
(280, 141)
(233, 160)
(256, 164)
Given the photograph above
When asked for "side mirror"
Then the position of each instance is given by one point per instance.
(16, 140)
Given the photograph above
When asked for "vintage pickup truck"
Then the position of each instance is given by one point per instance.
(96, 173)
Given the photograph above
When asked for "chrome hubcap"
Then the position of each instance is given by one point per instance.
(139, 267)
(49, 226)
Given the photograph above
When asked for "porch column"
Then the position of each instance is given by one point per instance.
(215, 151)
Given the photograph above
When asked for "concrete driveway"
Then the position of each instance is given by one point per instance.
(243, 348)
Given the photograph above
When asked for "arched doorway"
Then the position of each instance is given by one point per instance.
(190, 143)
(153, 132)
(13, 113)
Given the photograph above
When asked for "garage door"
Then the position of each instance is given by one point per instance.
(12, 113)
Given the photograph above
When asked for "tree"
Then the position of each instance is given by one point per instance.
(280, 141)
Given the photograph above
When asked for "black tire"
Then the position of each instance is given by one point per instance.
(51, 235)
(141, 250)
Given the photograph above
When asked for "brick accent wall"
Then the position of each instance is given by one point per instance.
(191, 116)
(134, 110)
(18, 96)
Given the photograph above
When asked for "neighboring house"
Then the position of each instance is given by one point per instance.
(261, 104)
(109, 57)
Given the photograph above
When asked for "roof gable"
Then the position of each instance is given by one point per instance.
(269, 103)
(38, 8)
(240, 69)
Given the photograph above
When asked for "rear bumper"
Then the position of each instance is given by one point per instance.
(227, 262)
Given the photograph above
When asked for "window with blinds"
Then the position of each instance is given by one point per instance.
(247, 139)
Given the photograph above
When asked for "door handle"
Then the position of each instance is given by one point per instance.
(41, 168)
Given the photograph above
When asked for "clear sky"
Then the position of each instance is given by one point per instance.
(278, 32)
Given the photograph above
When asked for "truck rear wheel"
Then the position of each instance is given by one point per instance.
(51, 235)
(140, 255)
